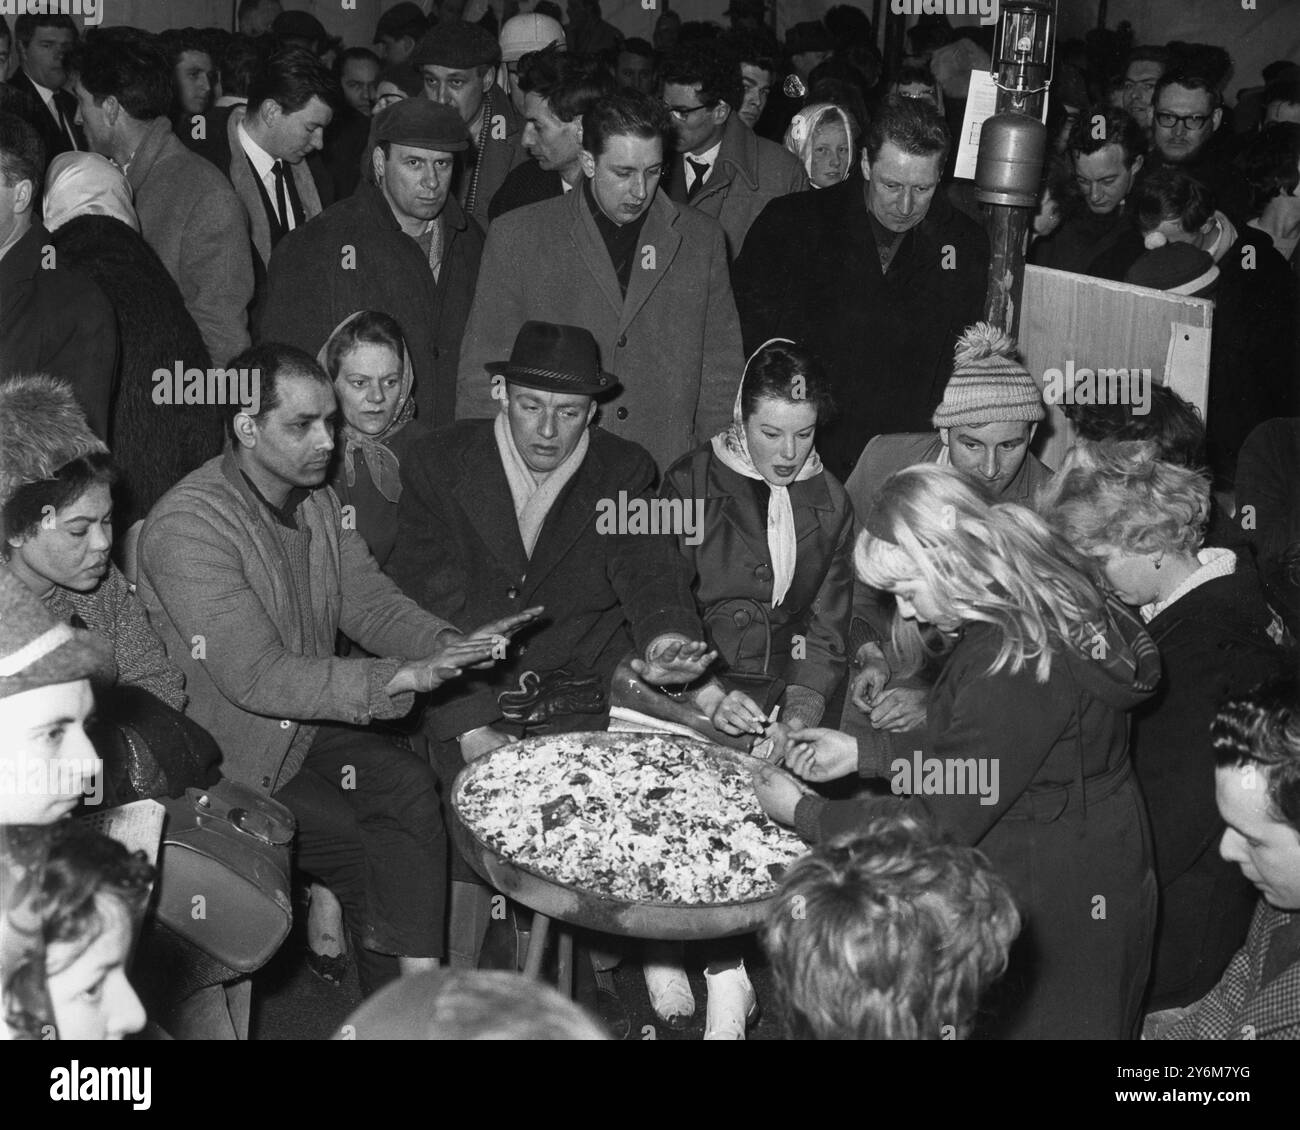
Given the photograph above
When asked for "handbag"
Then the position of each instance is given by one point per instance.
(224, 873)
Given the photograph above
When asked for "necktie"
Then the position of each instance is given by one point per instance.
(701, 171)
(281, 197)
(64, 123)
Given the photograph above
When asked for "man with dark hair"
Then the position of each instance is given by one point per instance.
(1141, 73)
(1107, 148)
(250, 555)
(53, 319)
(193, 71)
(722, 167)
(1187, 110)
(558, 89)
(588, 33)
(398, 31)
(296, 28)
(255, 17)
(188, 212)
(357, 70)
(635, 66)
(879, 274)
(758, 56)
(1282, 101)
(458, 62)
(291, 101)
(415, 254)
(646, 276)
(44, 44)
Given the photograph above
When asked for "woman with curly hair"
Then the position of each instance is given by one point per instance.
(1142, 521)
(1025, 750)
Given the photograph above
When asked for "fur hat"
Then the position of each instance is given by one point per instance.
(42, 427)
(988, 384)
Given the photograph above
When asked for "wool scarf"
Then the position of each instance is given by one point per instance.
(731, 447)
(534, 494)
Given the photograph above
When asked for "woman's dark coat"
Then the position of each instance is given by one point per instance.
(1214, 644)
(733, 572)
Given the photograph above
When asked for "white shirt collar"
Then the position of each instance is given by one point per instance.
(263, 162)
(708, 157)
(46, 92)
(1214, 562)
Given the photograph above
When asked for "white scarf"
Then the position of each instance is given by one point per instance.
(1213, 562)
(732, 449)
(534, 495)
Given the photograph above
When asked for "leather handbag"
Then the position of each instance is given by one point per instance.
(224, 873)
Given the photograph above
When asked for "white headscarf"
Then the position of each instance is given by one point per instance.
(731, 447)
(78, 184)
(799, 137)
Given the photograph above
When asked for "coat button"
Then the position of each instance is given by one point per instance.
(621, 413)
(740, 618)
(512, 593)
(622, 340)
(266, 782)
(763, 573)
(285, 724)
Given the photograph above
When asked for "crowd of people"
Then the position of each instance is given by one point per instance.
(320, 358)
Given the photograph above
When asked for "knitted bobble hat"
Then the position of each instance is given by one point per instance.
(988, 385)
(42, 427)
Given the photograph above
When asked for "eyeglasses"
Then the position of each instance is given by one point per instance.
(1192, 121)
(681, 113)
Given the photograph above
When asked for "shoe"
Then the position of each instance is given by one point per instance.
(732, 1004)
(670, 994)
(329, 968)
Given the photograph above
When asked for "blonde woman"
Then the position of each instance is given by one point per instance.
(1142, 521)
(1025, 748)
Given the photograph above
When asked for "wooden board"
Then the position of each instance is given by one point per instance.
(1070, 323)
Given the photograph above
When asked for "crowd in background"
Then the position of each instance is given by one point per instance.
(317, 357)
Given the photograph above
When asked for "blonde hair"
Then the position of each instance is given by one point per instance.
(998, 563)
(1122, 495)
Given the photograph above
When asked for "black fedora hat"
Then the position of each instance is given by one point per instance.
(557, 359)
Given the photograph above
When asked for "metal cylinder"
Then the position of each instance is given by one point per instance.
(1009, 167)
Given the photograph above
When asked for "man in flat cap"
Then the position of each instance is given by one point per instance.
(401, 244)
(504, 514)
(398, 31)
(458, 62)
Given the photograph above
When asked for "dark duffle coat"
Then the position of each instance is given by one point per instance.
(733, 572)
(1214, 644)
(459, 552)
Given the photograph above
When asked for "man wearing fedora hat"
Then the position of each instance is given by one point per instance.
(646, 275)
(497, 515)
(415, 255)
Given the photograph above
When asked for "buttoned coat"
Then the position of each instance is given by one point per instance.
(732, 566)
(500, 149)
(310, 288)
(191, 217)
(749, 173)
(218, 587)
(673, 342)
(460, 555)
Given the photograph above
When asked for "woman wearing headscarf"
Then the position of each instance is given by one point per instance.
(824, 138)
(769, 537)
(94, 228)
(367, 359)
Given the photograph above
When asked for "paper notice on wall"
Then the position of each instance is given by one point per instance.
(981, 104)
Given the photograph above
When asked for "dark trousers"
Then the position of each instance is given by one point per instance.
(370, 828)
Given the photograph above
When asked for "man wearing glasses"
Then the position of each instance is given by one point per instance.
(722, 167)
(1187, 112)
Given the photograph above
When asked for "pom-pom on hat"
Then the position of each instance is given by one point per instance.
(988, 385)
(42, 427)
(455, 43)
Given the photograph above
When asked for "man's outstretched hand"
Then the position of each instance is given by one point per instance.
(674, 659)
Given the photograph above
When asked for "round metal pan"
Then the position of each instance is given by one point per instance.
(658, 920)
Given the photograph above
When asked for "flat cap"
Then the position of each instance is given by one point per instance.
(421, 124)
(454, 43)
